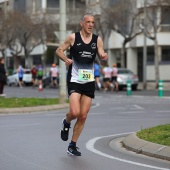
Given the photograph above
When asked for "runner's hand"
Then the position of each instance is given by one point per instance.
(104, 56)
(68, 62)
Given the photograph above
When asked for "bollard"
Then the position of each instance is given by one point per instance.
(40, 87)
(129, 89)
(160, 88)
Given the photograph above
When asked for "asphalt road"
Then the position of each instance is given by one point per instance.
(14, 91)
(32, 141)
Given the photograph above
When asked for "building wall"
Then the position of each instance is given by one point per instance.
(115, 43)
(50, 9)
(132, 59)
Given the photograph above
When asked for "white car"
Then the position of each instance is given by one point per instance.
(13, 79)
(124, 75)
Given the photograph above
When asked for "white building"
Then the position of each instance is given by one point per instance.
(49, 9)
(113, 44)
(134, 49)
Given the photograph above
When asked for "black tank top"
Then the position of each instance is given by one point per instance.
(83, 56)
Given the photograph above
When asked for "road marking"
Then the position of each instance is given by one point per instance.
(90, 147)
(166, 111)
(96, 105)
(131, 112)
(137, 107)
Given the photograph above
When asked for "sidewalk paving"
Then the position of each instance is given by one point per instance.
(133, 143)
(33, 109)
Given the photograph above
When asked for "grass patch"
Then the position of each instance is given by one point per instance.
(159, 134)
(26, 102)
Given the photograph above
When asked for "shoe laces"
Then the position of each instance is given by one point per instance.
(76, 148)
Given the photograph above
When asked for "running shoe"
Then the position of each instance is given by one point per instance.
(73, 150)
(64, 131)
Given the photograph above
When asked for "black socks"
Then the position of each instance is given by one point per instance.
(72, 143)
(65, 123)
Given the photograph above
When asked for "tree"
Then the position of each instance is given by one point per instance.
(31, 35)
(155, 17)
(2, 33)
(124, 19)
(8, 37)
(24, 35)
(12, 37)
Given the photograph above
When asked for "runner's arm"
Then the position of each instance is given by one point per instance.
(64, 46)
(101, 53)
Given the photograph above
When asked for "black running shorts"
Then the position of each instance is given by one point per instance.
(20, 78)
(114, 78)
(87, 89)
(39, 77)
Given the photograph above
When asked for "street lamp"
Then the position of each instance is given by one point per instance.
(62, 85)
(143, 28)
(144, 48)
(5, 14)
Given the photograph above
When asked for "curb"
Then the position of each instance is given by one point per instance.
(133, 143)
(33, 109)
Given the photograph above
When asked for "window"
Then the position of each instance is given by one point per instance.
(165, 53)
(150, 55)
(165, 16)
(52, 3)
(79, 4)
(20, 5)
(165, 23)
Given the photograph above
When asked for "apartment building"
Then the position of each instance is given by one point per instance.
(135, 48)
(113, 42)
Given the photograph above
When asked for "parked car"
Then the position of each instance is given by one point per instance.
(13, 79)
(124, 75)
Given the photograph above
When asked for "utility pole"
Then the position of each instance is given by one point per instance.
(62, 83)
(144, 49)
(5, 45)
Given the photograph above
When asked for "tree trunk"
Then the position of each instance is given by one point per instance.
(16, 61)
(156, 62)
(28, 59)
(123, 50)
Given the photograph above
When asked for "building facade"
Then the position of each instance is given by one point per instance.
(112, 41)
(49, 11)
(135, 48)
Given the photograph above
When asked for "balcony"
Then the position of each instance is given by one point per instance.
(165, 28)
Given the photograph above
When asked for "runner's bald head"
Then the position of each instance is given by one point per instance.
(86, 14)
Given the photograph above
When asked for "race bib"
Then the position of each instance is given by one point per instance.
(85, 75)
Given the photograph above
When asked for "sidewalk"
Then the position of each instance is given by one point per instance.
(33, 109)
(133, 143)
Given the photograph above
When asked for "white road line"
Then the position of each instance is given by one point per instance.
(131, 112)
(96, 105)
(165, 111)
(90, 147)
(137, 107)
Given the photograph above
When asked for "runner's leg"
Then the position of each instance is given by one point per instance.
(85, 104)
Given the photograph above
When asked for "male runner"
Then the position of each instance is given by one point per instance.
(84, 46)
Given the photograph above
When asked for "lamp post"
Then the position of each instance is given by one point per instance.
(5, 14)
(62, 29)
